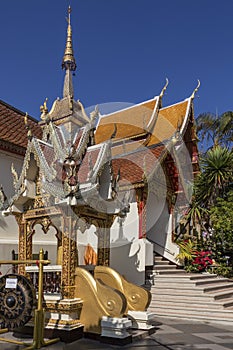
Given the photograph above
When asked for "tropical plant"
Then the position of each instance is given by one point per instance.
(215, 177)
(209, 216)
(187, 251)
(225, 128)
(221, 219)
(215, 130)
(202, 260)
(195, 214)
(222, 269)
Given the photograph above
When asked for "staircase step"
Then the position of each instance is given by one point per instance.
(162, 262)
(165, 266)
(194, 296)
(159, 258)
(209, 288)
(193, 302)
(167, 271)
(189, 276)
(210, 281)
(198, 276)
(222, 317)
(222, 294)
(194, 309)
(205, 284)
(217, 295)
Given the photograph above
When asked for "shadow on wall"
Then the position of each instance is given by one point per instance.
(158, 225)
(3, 224)
(128, 259)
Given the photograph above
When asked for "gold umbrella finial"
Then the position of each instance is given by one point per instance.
(68, 61)
(69, 12)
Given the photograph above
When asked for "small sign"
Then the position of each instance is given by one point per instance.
(11, 283)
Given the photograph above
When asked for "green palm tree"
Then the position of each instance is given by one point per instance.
(216, 130)
(207, 127)
(225, 128)
(216, 175)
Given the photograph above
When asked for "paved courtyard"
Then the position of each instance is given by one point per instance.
(170, 335)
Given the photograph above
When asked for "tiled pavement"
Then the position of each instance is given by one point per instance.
(170, 335)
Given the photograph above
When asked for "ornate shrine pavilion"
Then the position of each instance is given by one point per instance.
(112, 188)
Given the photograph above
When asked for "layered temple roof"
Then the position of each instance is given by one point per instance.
(128, 123)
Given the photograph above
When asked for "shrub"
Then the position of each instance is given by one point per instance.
(202, 260)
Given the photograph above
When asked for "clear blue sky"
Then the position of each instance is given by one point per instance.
(124, 50)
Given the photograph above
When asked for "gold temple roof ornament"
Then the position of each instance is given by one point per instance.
(164, 88)
(196, 89)
(66, 111)
(68, 61)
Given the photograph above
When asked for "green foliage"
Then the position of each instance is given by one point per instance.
(221, 215)
(216, 130)
(222, 270)
(210, 212)
(221, 219)
(191, 268)
(187, 251)
(215, 177)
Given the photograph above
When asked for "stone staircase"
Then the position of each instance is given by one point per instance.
(194, 296)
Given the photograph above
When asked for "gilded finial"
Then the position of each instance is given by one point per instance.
(29, 135)
(69, 12)
(26, 119)
(94, 114)
(196, 89)
(164, 88)
(44, 109)
(15, 175)
(68, 61)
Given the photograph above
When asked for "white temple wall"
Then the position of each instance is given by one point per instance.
(127, 254)
(6, 179)
(159, 227)
(8, 225)
(46, 241)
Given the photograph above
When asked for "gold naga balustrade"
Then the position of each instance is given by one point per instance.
(138, 298)
(98, 300)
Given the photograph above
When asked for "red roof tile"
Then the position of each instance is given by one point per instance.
(88, 164)
(48, 152)
(133, 165)
(78, 138)
(12, 127)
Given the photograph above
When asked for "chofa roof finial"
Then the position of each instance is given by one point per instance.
(164, 88)
(196, 89)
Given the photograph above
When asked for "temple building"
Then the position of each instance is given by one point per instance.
(97, 189)
(13, 145)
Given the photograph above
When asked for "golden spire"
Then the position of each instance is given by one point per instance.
(68, 61)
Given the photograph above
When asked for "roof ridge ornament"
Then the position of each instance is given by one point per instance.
(196, 89)
(164, 88)
(68, 61)
(14, 175)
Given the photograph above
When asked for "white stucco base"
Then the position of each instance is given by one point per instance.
(141, 319)
(115, 327)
